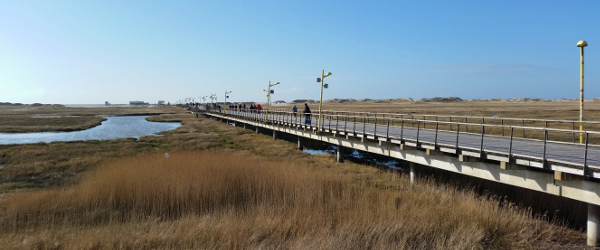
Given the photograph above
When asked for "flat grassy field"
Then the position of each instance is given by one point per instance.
(211, 185)
(555, 110)
(559, 110)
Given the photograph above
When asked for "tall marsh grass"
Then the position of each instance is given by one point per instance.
(235, 200)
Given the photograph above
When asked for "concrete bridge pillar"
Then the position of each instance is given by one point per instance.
(256, 129)
(244, 125)
(300, 145)
(274, 134)
(413, 174)
(339, 156)
(593, 221)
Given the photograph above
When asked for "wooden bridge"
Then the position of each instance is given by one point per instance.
(541, 155)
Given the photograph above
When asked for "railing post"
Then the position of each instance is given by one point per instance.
(375, 131)
(457, 134)
(387, 133)
(337, 120)
(345, 130)
(481, 144)
(401, 129)
(418, 130)
(573, 128)
(585, 166)
(523, 127)
(510, 144)
(545, 142)
(436, 134)
(354, 125)
(502, 125)
(363, 120)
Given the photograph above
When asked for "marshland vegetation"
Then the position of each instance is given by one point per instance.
(223, 187)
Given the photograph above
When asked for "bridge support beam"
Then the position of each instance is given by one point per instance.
(339, 156)
(593, 221)
(274, 134)
(300, 145)
(413, 174)
(256, 127)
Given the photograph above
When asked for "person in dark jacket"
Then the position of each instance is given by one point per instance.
(307, 114)
(294, 110)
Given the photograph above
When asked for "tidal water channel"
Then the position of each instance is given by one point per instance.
(113, 128)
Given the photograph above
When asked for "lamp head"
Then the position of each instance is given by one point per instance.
(275, 83)
(328, 74)
(582, 43)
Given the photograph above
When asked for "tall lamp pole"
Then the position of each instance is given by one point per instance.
(269, 97)
(581, 44)
(323, 75)
(225, 102)
(213, 100)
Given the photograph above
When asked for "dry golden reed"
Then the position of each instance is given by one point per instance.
(221, 200)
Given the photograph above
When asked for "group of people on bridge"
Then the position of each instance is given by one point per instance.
(255, 109)
(242, 107)
(306, 113)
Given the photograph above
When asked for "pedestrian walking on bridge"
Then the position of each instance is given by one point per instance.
(294, 110)
(307, 114)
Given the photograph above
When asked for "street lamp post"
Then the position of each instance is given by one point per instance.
(323, 75)
(225, 102)
(268, 90)
(213, 99)
(581, 44)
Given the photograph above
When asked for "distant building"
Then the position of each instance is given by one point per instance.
(138, 103)
(106, 103)
(161, 102)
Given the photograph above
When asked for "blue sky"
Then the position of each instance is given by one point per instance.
(88, 52)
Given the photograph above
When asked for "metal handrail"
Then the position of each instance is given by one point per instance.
(366, 119)
(278, 118)
(470, 117)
